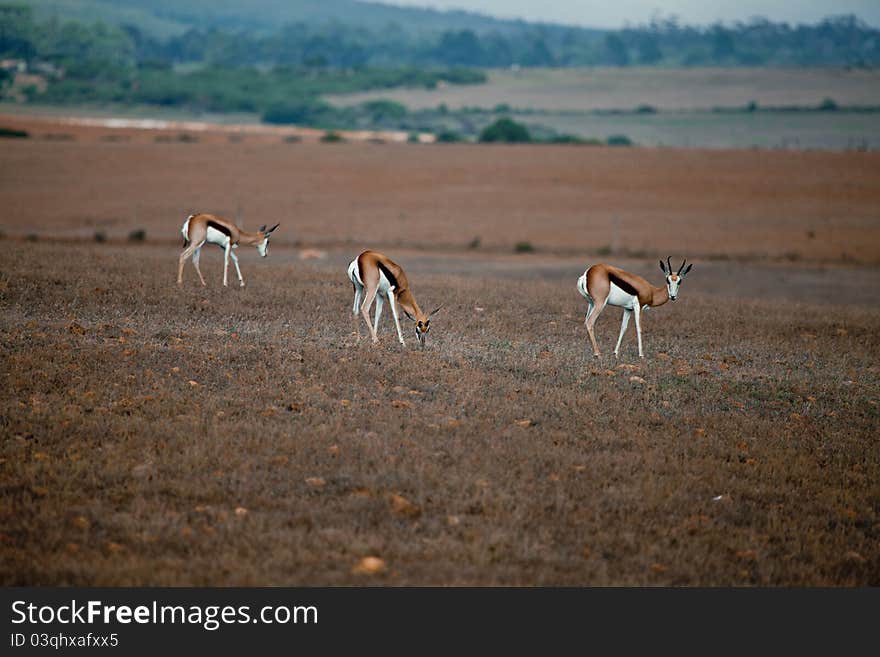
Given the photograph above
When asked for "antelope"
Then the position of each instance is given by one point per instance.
(602, 285)
(375, 276)
(201, 228)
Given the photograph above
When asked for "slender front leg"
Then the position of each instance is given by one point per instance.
(624, 323)
(637, 311)
(227, 249)
(237, 270)
(392, 302)
(379, 304)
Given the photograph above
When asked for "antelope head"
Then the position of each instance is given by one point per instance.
(263, 244)
(673, 280)
(423, 323)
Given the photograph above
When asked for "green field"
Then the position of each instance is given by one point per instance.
(627, 88)
(577, 101)
(705, 129)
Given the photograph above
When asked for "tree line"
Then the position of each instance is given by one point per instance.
(99, 50)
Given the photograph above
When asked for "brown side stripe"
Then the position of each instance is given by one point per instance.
(623, 285)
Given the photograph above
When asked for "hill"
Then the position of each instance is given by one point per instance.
(163, 18)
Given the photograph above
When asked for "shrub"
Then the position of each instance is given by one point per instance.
(828, 105)
(100, 236)
(380, 110)
(332, 137)
(566, 139)
(448, 136)
(138, 235)
(11, 133)
(523, 247)
(306, 112)
(475, 243)
(507, 131)
(619, 140)
(646, 109)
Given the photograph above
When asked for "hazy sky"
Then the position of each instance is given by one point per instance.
(615, 13)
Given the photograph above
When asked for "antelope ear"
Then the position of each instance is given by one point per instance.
(685, 271)
(663, 267)
(272, 229)
(408, 315)
(434, 312)
(262, 228)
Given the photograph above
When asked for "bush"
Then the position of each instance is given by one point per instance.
(381, 110)
(332, 137)
(11, 133)
(523, 247)
(100, 236)
(619, 140)
(138, 235)
(448, 137)
(567, 139)
(828, 105)
(305, 112)
(506, 131)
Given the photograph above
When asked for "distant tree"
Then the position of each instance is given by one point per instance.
(723, 47)
(505, 130)
(460, 48)
(648, 50)
(17, 32)
(615, 51)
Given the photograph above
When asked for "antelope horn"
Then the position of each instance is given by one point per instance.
(682, 267)
(668, 264)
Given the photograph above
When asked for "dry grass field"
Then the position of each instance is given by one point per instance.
(220, 437)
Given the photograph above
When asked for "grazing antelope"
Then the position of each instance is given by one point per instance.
(201, 228)
(603, 285)
(374, 276)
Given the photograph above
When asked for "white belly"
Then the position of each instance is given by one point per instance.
(214, 236)
(617, 297)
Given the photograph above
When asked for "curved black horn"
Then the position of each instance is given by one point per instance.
(668, 264)
(434, 312)
(682, 266)
(272, 229)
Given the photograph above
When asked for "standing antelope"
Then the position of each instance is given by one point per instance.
(201, 228)
(374, 276)
(604, 284)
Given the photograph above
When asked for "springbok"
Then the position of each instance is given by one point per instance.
(375, 276)
(603, 285)
(201, 228)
